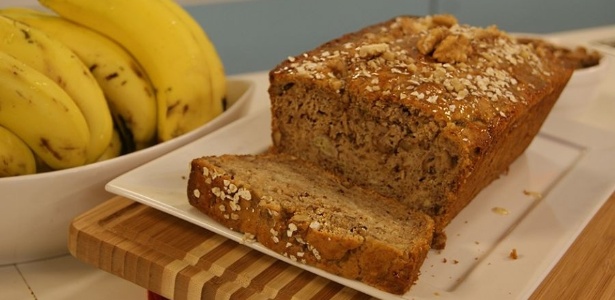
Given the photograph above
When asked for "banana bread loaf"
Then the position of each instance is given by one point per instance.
(423, 110)
(312, 217)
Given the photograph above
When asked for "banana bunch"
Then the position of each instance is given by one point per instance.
(93, 80)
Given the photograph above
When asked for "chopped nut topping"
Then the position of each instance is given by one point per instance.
(291, 229)
(315, 225)
(316, 253)
(372, 50)
(216, 191)
(428, 42)
(248, 238)
(300, 218)
(453, 49)
(234, 206)
(232, 188)
(245, 194)
(414, 56)
(444, 20)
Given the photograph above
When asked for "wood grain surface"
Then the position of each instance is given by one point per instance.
(587, 270)
(179, 260)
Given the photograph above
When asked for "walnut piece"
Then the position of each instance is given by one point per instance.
(453, 49)
(445, 46)
(427, 43)
(444, 20)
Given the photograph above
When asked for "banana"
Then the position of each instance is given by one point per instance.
(114, 149)
(59, 63)
(216, 67)
(125, 84)
(164, 46)
(16, 158)
(42, 114)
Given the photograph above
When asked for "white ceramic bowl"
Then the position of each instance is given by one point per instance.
(582, 89)
(583, 86)
(37, 209)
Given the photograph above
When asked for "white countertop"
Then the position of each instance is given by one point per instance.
(65, 277)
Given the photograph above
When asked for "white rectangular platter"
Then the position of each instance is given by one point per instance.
(538, 208)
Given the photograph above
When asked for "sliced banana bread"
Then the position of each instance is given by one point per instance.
(313, 217)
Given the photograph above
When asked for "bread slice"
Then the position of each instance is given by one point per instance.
(424, 110)
(313, 217)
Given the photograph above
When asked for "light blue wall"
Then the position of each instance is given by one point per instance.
(256, 35)
(538, 16)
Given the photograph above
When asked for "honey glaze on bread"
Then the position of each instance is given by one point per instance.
(423, 110)
(302, 212)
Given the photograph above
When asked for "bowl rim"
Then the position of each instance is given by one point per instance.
(602, 65)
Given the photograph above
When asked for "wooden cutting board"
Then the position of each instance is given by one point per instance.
(180, 260)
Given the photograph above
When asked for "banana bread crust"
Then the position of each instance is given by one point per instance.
(311, 217)
(423, 110)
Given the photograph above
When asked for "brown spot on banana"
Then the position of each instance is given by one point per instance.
(149, 91)
(20, 94)
(136, 70)
(46, 145)
(171, 108)
(112, 76)
(27, 36)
